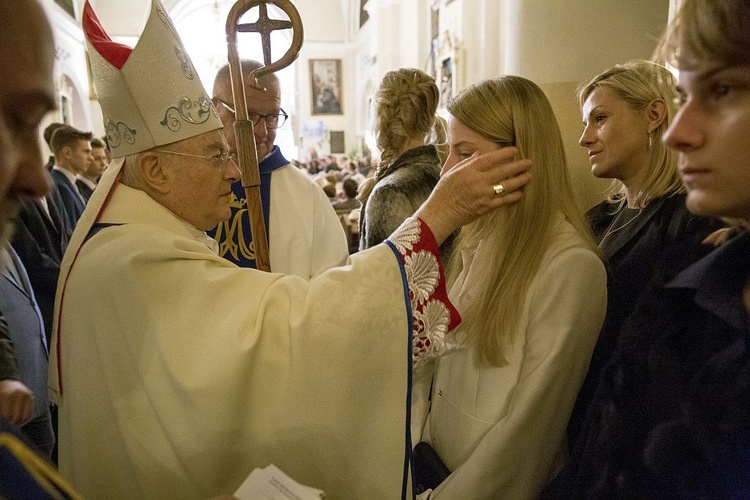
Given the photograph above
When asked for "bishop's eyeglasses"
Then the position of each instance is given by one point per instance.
(273, 120)
(218, 160)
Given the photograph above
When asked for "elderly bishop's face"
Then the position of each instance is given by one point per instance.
(26, 95)
(201, 177)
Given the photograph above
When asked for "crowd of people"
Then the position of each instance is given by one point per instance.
(491, 339)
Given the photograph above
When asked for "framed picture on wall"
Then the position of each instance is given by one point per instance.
(325, 83)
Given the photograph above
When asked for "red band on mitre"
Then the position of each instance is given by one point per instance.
(115, 53)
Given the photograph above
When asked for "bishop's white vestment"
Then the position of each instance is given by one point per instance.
(177, 373)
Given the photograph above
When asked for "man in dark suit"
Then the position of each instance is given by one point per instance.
(40, 239)
(85, 187)
(88, 179)
(72, 150)
(26, 330)
(41, 236)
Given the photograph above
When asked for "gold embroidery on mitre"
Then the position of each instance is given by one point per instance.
(117, 132)
(166, 20)
(187, 68)
(184, 111)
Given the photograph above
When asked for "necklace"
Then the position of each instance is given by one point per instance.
(613, 228)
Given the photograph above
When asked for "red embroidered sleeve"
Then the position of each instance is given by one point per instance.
(433, 314)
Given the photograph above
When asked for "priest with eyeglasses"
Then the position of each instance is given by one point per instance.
(304, 233)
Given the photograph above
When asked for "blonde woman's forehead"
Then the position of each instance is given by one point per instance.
(458, 133)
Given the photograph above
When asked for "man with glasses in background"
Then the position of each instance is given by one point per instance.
(304, 234)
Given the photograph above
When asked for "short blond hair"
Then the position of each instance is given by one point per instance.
(639, 83)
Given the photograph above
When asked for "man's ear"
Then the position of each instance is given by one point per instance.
(657, 113)
(155, 172)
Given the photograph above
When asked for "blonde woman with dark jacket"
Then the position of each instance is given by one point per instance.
(531, 290)
(625, 111)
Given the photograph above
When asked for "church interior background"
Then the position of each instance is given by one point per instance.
(350, 44)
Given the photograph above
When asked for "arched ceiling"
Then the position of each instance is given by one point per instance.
(126, 18)
(201, 27)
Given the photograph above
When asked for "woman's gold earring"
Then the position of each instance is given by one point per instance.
(650, 140)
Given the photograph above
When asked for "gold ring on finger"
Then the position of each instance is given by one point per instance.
(499, 189)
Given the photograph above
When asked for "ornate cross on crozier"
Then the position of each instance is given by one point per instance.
(264, 27)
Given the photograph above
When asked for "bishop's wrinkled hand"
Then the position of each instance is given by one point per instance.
(474, 187)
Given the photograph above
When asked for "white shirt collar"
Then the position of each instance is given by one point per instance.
(86, 181)
(68, 175)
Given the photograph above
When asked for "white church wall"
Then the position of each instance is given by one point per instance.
(560, 44)
(71, 72)
(556, 43)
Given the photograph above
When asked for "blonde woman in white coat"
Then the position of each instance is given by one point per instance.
(531, 290)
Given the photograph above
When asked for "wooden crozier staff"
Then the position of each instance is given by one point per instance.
(247, 153)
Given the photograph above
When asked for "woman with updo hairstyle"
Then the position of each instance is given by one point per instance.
(531, 290)
(404, 122)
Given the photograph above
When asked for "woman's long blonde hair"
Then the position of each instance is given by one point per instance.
(513, 110)
(639, 83)
(404, 108)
